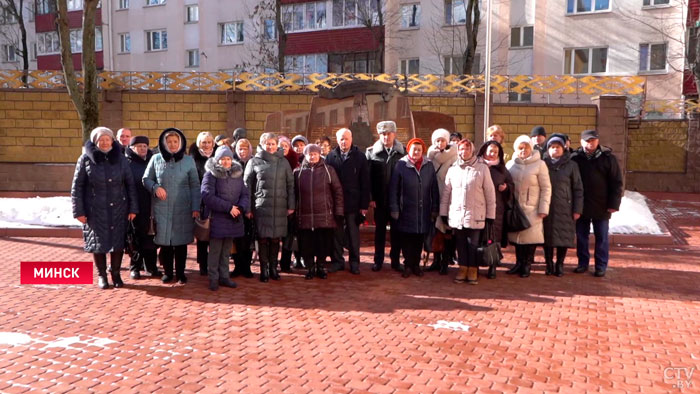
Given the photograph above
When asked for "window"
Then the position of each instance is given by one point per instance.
(521, 37)
(32, 51)
(124, 43)
(652, 57)
(585, 60)
(455, 12)
(269, 30)
(76, 40)
(355, 12)
(306, 64)
(9, 53)
(409, 66)
(7, 17)
(192, 13)
(455, 64)
(582, 6)
(74, 5)
(304, 16)
(231, 33)
(410, 16)
(45, 7)
(155, 2)
(515, 97)
(156, 40)
(655, 2)
(47, 43)
(193, 58)
(358, 62)
(123, 4)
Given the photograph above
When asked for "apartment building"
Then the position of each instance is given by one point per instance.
(10, 36)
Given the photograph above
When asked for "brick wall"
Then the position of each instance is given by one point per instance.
(461, 108)
(259, 105)
(658, 146)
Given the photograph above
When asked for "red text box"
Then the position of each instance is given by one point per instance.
(56, 272)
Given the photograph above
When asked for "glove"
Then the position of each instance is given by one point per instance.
(339, 219)
(395, 215)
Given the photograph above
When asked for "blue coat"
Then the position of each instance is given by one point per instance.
(414, 195)
(103, 191)
(221, 190)
(177, 174)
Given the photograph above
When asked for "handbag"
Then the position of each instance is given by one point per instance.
(514, 219)
(201, 229)
(439, 242)
(131, 244)
(488, 254)
(151, 223)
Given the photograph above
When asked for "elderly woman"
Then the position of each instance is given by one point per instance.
(201, 151)
(325, 144)
(269, 179)
(319, 198)
(288, 246)
(104, 200)
(226, 200)
(171, 176)
(533, 191)
(138, 155)
(566, 206)
(467, 202)
(414, 201)
(443, 155)
(492, 154)
(243, 255)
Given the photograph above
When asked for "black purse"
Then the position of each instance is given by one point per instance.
(131, 244)
(488, 254)
(514, 219)
(151, 223)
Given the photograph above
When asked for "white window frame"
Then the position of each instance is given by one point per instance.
(7, 18)
(50, 37)
(237, 32)
(123, 5)
(319, 9)
(192, 13)
(154, 3)
(150, 47)
(521, 35)
(450, 68)
(266, 23)
(124, 43)
(32, 52)
(192, 58)
(74, 5)
(590, 60)
(656, 3)
(302, 64)
(76, 40)
(407, 17)
(648, 69)
(405, 65)
(9, 53)
(346, 22)
(593, 10)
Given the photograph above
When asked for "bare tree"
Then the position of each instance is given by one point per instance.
(460, 40)
(15, 10)
(371, 15)
(269, 42)
(85, 101)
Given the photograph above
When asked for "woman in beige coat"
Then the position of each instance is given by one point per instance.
(533, 192)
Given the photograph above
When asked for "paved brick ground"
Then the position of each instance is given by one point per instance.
(373, 333)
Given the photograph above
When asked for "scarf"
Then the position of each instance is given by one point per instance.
(417, 163)
(470, 161)
(492, 163)
(206, 153)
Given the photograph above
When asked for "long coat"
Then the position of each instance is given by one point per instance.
(499, 176)
(567, 199)
(103, 190)
(602, 182)
(469, 197)
(414, 195)
(442, 161)
(354, 176)
(533, 191)
(381, 168)
(222, 190)
(319, 195)
(177, 174)
(142, 219)
(269, 179)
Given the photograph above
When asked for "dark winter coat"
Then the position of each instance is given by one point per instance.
(200, 160)
(567, 199)
(354, 176)
(269, 179)
(414, 195)
(499, 176)
(142, 220)
(222, 190)
(177, 174)
(602, 182)
(103, 190)
(381, 167)
(319, 195)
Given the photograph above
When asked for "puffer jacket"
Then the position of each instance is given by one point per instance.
(381, 167)
(177, 174)
(319, 195)
(354, 176)
(103, 190)
(602, 182)
(499, 176)
(567, 199)
(414, 195)
(469, 196)
(270, 182)
(142, 219)
(533, 191)
(222, 190)
(442, 161)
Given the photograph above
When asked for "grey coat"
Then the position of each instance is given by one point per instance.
(567, 199)
(269, 179)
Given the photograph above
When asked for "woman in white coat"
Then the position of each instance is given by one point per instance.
(533, 192)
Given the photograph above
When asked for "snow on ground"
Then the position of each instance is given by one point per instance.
(16, 338)
(634, 216)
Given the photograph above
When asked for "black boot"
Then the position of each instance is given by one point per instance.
(263, 254)
(444, 263)
(549, 260)
(437, 263)
(115, 259)
(492, 272)
(286, 261)
(559, 267)
(518, 261)
(273, 252)
(321, 270)
(100, 260)
(528, 259)
(311, 272)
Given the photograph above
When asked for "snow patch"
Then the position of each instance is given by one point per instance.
(450, 325)
(634, 216)
(14, 338)
(37, 211)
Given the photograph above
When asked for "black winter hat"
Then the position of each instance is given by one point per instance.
(538, 130)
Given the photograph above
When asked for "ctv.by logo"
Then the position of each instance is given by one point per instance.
(681, 377)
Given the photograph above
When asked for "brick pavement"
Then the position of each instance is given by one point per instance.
(376, 332)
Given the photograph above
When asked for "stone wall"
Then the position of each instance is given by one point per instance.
(658, 146)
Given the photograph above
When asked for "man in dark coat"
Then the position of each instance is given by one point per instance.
(538, 136)
(352, 169)
(382, 158)
(602, 194)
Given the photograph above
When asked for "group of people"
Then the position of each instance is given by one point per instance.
(289, 198)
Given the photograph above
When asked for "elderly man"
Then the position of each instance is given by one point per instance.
(351, 166)
(538, 136)
(382, 157)
(602, 194)
(124, 136)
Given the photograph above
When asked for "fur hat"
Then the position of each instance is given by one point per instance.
(386, 126)
(139, 139)
(223, 151)
(312, 148)
(98, 132)
(440, 133)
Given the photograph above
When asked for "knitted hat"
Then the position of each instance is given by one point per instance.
(98, 132)
(301, 138)
(416, 141)
(239, 133)
(139, 139)
(387, 126)
(223, 151)
(520, 140)
(312, 148)
(538, 130)
(440, 133)
(556, 140)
